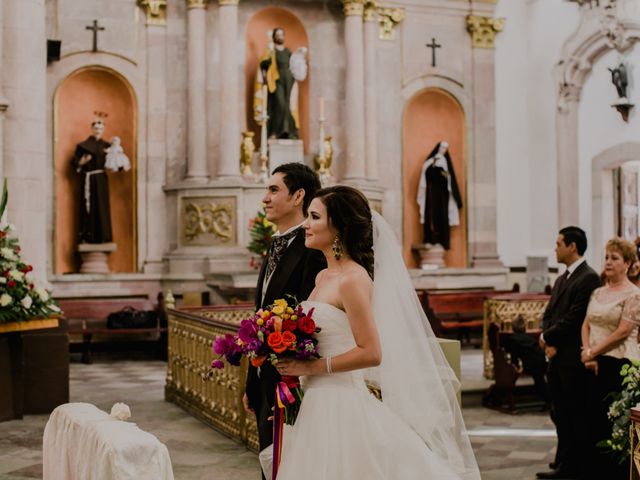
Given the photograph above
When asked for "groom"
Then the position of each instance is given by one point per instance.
(289, 269)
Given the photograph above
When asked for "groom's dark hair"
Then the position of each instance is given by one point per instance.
(298, 176)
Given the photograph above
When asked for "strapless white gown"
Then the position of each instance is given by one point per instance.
(343, 432)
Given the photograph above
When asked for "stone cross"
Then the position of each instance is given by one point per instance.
(433, 45)
(95, 28)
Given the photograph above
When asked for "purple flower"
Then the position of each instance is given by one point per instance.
(248, 331)
(217, 364)
(305, 349)
(234, 358)
(253, 346)
(222, 345)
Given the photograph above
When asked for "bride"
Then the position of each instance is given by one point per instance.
(372, 330)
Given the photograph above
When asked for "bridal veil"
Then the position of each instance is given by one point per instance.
(416, 380)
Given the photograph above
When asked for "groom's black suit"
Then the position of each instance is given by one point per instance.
(294, 275)
(562, 324)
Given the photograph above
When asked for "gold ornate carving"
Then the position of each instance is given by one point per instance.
(197, 3)
(353, 7)
(502, 313)
(370, 10)
(208, 221)
(247, 148)
(155, 10)
(214, 397)
(483, 30)
(222, 3)
(389, 18)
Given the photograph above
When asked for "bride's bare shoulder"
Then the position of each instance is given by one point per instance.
(356, 276)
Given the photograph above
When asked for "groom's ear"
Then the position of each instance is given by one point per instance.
(298, 198)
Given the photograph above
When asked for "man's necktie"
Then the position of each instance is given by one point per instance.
(279, 244)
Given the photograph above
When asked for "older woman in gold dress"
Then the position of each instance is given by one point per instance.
(609, 339)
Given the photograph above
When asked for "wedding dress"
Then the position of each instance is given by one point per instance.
(343, 432)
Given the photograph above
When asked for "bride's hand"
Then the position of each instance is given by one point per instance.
(294, 368)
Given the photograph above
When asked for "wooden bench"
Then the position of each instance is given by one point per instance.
(87, 320)
(457, 313)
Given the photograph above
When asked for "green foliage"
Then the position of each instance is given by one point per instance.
(619, 412)
(261, 230)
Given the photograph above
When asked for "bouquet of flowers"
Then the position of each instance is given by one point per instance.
(619, 414)
(279, 331)
(260, 230)
(21, 298)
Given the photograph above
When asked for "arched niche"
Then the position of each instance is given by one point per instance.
(257, 42)
(432, 115)
(79, 95)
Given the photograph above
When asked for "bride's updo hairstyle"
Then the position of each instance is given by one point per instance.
(349, 213)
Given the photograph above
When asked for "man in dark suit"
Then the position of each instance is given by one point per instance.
(567, 377)
(289, 269)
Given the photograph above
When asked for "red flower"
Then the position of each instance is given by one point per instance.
(31, 286)
(288, 325)
(307, 325)
(11, 284)
(258, 361)
(6, 274)
(3, 234)
(17, 250)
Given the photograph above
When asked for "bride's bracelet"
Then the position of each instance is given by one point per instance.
(328, 362)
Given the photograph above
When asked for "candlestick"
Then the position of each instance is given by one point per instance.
(321, 108)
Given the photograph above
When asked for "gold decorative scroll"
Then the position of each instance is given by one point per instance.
(634, 432)
(353, 7)
(155, 10)
(222, 3)
(208, 221)
(197, 3)
(389, 19)
(483, 30)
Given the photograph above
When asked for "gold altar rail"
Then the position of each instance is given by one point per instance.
(502, 310)
(216, 400)
(634, 432)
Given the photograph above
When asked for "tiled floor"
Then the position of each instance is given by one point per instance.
(506, 446)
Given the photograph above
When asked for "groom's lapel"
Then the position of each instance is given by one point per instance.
(260, 284)
(289, 261)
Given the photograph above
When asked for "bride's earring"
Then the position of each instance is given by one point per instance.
(337, 248)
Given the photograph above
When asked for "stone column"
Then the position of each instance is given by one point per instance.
(4, 103)
(153, 231)
(229, 110)
(481, 196)
(24, 74)
(355, 126)
(197, 117)
(371, 90)
(567, 126)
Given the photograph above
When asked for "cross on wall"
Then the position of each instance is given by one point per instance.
(433, 45)
(95, 28)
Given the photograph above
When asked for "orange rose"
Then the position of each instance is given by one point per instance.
(288, 338)
(274, 340)
(258, 361)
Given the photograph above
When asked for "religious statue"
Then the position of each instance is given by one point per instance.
(279, 71)
(89, 160)
(620, 80)
(246, 153)
(438, 197)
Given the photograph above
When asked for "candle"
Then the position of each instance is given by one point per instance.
(321, 108)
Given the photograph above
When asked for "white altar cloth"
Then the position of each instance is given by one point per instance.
(82, 442)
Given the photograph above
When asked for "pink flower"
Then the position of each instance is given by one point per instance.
(217, 364)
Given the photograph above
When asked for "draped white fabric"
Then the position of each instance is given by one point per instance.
(416, 380)
(81, 442)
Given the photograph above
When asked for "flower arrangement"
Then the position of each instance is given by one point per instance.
(279, 331)
(21, 298)
(619, 412)
(260, 230)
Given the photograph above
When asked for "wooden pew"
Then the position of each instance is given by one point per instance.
(457, 313)
(87, 320)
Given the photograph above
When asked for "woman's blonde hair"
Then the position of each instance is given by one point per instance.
(624, 247)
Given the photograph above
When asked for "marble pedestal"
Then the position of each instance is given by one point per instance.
(430, 256)
(285, 151)
(95, 256)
